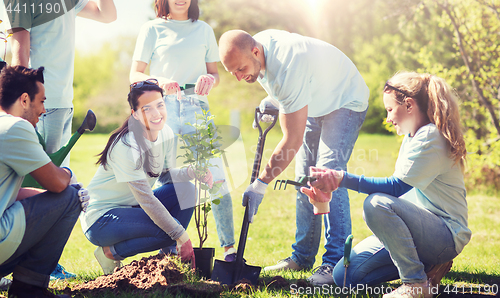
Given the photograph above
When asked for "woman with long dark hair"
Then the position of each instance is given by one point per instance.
(125, 216)
(180, 50)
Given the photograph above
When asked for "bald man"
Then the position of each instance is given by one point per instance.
(323, 101)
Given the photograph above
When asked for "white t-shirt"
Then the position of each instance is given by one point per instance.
(424, 162)
(177, 50)
(20, 154)
(52, 43)
(303, 71)
(109, 189)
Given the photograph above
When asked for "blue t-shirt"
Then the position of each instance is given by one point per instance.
(109, 189)
(303, 71)
(20, 154)
(52, 43)
(177, 50)
(424, 162)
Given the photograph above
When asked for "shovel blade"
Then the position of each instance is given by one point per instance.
(224, 273)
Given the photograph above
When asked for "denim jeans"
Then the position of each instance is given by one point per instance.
(328, 142)
(50, 218)
(130, 231)
(55, 128)
(407, 241)
(180, 113)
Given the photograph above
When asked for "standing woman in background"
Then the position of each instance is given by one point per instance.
(181, 49)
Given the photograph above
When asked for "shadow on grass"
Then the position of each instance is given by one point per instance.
(466, 284)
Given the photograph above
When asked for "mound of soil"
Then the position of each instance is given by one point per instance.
(161, 273)
(152, 273)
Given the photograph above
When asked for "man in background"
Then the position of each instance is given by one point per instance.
(44, 35)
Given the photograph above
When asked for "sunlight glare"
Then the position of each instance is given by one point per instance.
(313, 4)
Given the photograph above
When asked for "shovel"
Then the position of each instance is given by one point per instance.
(58, 157)
(231, 272)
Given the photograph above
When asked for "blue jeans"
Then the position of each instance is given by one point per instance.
(50, 218)
(407, 241)
(130, 231)
(328, 142)
(180, 113)
(55, 128)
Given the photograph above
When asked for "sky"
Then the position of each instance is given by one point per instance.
(132, 14)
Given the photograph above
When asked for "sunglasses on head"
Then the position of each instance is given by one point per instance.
(139, 85)
(387, 85)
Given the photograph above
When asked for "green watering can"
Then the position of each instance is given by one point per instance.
(58, 157)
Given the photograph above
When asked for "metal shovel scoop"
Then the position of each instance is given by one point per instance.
(231, 272)
(58, 157)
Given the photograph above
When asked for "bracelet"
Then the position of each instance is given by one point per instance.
(70, 172)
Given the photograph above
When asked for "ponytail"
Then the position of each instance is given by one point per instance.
(443, 111)
(440, 103)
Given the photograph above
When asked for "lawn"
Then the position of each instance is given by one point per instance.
(272, 233)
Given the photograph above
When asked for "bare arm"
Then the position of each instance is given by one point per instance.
(27, 192)
(293, 126)
(137, 72)
(212, 70)
(52, 177)
(99, 10)
(20, 47)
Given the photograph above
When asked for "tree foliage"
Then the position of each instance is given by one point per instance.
(460, 41)
(457, 40)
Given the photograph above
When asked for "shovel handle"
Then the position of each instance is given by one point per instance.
(347, 250)
(262, 140)
(255, 173)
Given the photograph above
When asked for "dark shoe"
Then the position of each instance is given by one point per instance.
(323, 275)
(230, 255)
(4, 284)
(437, 272)
(22, 290)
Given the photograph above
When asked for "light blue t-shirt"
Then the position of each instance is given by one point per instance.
(303, 71)
(52, 43)
(424, 162)
(177, 50)
(109, 189)
(20, 154)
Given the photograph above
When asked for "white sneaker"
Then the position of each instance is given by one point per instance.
(285, 264)
(108, 266)
(5, 283)
(416, 290)
(323, 275)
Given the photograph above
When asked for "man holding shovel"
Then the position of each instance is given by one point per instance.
(323, 101)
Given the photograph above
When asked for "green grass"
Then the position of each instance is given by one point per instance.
(272, 233)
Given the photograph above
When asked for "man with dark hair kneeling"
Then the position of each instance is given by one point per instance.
(35, 224)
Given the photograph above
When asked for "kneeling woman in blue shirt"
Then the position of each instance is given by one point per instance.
(125, 216)
(418, 215)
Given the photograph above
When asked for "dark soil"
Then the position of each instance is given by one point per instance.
(153, 274)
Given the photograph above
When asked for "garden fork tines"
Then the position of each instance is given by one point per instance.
(302, 182)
